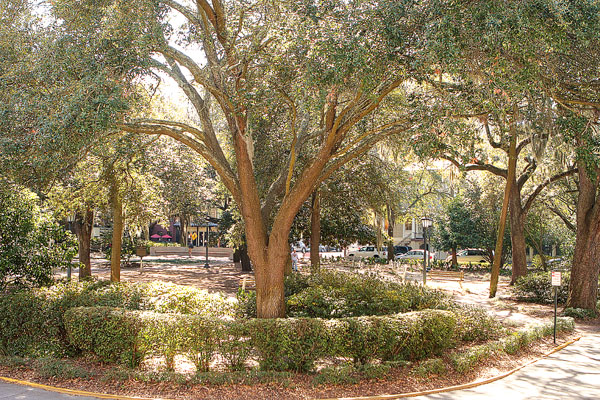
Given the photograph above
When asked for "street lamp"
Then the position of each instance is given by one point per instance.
(206, 237)
(425, 223)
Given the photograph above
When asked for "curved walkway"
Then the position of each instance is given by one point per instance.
(571, 373)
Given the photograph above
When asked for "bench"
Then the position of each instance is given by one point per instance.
(247, 283)
(448, 275)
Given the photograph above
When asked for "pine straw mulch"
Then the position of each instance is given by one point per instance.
(299, 386)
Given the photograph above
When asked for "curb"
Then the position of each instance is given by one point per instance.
(381, 397)
(457, 387)
(75, 392)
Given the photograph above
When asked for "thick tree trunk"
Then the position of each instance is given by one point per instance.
(117, 234)
(315, 232)
(83, 224)
(583, 289)
(517, 235)
(454, 259)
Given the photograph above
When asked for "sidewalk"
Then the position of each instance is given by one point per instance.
(572, 373)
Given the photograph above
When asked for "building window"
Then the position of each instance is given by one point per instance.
(408, 225)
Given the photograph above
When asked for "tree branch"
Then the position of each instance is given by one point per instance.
(543, 185)
(477, 167)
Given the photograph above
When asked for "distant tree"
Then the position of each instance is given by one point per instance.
(32, 244)
(456, 228)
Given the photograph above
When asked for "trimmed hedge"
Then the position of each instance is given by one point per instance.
(293, 344)
(31, 321)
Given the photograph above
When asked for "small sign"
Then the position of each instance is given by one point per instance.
(194, 236)
(556, 281)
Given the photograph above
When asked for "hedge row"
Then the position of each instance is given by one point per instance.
(31, 321)
(294, 344)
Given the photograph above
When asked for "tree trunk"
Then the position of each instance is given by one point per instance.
(512, 166)
(583, 289)
(315, 232)
(117, 234)
(390, 232)
(244, 259)
(517, 235)
(454, 259)
(83, 224)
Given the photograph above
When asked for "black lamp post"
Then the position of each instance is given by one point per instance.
(425, 223)
(206, 236)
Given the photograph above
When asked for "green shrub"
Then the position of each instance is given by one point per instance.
(475, 324)
(112, 334)
(580, 313)
(234, 345)
(434, 366)
(339, 295)
(14, 361)
(57, 368)
(288, 344)
(399, 337)
(200, 339)
(32, 324)
(466, 360)
(537, 287)
(350, 374)
(246, 304)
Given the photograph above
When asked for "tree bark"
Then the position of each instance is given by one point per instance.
(117, 234)
(83, 225)
(315, 232)
(390, 231)
(517, 235)
(454, 259)
(244, 259)
(512, 166)
(583, 288)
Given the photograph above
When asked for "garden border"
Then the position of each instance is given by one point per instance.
(380, 397)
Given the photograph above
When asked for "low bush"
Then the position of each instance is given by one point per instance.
(339, 295)
(117, 335)
(537, 287)
(31, 321)
(433, 366)
(58, 368)
(398, 337)
(466, 360)
(112, 334)
(580, 313)
(288, 344)
(350, 374)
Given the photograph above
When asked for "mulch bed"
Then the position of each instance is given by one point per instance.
(300, 386)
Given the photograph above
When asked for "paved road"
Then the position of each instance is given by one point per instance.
(11, 391)
(572, 373)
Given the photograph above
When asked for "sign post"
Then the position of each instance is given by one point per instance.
(556, 281)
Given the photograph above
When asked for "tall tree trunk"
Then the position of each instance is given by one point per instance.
(83, 225)
(117, 234)
(583, 289)
(315, 232)
(391, 217)
(517, 235)
(454, 259)
(512, 166)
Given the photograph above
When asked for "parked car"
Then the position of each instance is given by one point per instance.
(413, 255)
(401, 249)
(475, 256)
(367, 252)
